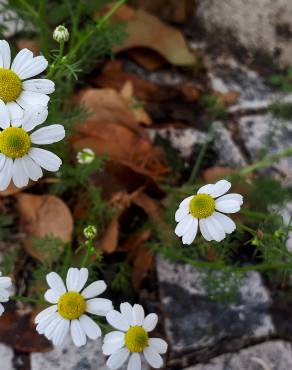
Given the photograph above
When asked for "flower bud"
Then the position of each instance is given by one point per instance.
(90, 232)
(61, 34)
(85, 156)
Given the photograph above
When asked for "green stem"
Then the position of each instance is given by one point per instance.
(27, 299)
(88, 246)
(201, 155)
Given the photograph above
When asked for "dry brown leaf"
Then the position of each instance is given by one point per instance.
(147, 58)
(148, 31)
(44, 215)
(32, 45)
(18, 331)
(110, 106)
(135, 241)
(123, 146)
(228, 98)
(190, 91)
(143, 262)
(115, 77)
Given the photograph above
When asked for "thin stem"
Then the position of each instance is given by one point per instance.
(201, 155)
(27, 299)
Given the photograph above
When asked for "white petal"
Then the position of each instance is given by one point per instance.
(45, 322)
(6, 174)
(204, 230)
(4, 115)
(72, 279)
(232, 196)
(52, 296)
(94, 289)
(184, 225)
(215, 229)
(226, 222)
(40, 85)
(5, 282)
(32, 169)
(186, 201)
(15, 113)
(56, 283)
(110, 348)
(138, 315)
(127, 311)
(150, 322)
(2, 162)
(77, 333)
(47, 160)
(159, 345)
(50, 329)
(28, 99)
(181, 213)
(83, 277)
(117, 320)
(190, 235)
(5, 54)
(33, 117)
(46, 313)
(99, 306)
(60, 332)
(134, 362)
(22, 59)
(35, 66)
(206, 189)
(1, 309)
(92, 330)
(19, 176)
(48, 135)
(118, 359)
(115, 337)
(153, 358)
(221, 187)
(227, 206)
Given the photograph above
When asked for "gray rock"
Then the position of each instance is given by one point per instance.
(68, 357)
(228, 152)
(263, 134)
(6, 356)
(274, 355)
(287, 214)
(193, 321)
(264, 25)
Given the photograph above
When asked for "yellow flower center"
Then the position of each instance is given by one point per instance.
(71, 305)
(10, 85)
(14, 142)
(136, 339)
(202, 206)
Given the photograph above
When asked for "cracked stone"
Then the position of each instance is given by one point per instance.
(193, 321)
(69, 357)
(6, 356)
(266, 356)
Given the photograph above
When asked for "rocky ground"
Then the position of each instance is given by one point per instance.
(252, 333)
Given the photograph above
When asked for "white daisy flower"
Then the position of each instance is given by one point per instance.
(85, 156)
(17, 90)
(132, 339)
(205, 210)
(70, 305)
(5, 283)
(19, 160)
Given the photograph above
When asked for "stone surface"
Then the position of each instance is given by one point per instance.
(263, 25)
(274, 355)
(194, 322)
(68, 357)
(263, 134)
(6, 357)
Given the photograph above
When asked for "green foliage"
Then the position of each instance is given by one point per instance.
(213, 106)
(283, 81)
(122, 278)
(282, 111)
(9, 260)
(50, 247)
(5, 223)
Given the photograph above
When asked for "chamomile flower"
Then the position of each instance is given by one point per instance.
(5, 283)
(17, 90)
(132, 338)
(19, 159)
(70, 305)
(205, 210)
